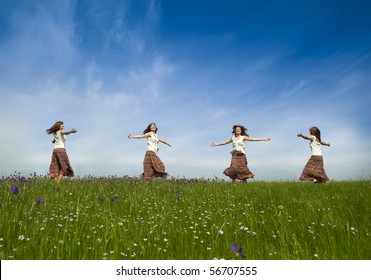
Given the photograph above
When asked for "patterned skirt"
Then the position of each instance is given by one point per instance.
(153, 166)
(314, 171)
(238, 168)
(60, 164)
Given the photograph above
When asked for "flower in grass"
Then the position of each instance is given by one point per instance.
(114, 198)
(100, 199)
(39, 200)
(1, 205)
(237, 250)
(244, 228)
(14, 190)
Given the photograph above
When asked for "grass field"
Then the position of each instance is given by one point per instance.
(126, 218)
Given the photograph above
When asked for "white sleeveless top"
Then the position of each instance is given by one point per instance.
(238, 145)
(152, 142)
(59, 140)
(315, 147)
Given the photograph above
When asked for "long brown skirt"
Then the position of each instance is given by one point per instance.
(238, 168)
(153, 166)
(314, 171)
(60, 164)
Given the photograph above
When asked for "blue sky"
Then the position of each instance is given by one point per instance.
(196, 68)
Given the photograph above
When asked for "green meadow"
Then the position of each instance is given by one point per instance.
(114, 218)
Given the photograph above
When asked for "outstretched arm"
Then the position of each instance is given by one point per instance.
(138, 136)
(310, 137)
(68, 132)
(246, 138)
(325, 143)
(163, 141)
(222, 143)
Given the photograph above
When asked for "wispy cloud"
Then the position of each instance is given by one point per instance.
(106, 70)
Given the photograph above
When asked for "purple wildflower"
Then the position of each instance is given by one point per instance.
(100, 199)
(234, 248)
(14, 190)
(237, 250)
(39, 200)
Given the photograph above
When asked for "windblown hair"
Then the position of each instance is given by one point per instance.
(316, 132)
(55, 128)
(243, 130)
(148, 129)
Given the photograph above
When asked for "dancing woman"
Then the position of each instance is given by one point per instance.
(152, 164)
(60, 164)
(314, 170)
(238, 168)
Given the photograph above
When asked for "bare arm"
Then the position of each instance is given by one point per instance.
(138, 136)
(163, 141)
(310, 137)
(325, 143)
(222, 143)
(246, 138)
(68, 132)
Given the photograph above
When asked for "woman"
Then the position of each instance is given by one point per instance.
(152, 164)
(314, 170)
(238, 168)
(60, 165)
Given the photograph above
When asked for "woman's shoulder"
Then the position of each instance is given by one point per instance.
(314, 139)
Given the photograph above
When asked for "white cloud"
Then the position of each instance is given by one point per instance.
(48, 75)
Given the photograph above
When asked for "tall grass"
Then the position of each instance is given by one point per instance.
(125, 218)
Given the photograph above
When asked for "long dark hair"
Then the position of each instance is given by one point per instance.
(148, 129)
(315, 132)
(56, 127)
(243, 130)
